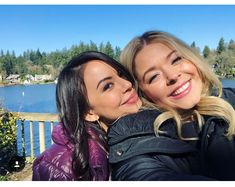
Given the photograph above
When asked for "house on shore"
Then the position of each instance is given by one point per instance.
(39, 78)
(13, 79)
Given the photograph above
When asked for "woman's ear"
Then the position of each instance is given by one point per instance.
(91, 116)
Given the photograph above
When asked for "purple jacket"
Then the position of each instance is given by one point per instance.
(55, 163)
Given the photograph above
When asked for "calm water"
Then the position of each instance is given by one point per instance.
(40, 99)
(228, 83)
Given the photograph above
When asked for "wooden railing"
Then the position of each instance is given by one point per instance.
(42, 119)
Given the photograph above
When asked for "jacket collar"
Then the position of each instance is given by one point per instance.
(134, 135)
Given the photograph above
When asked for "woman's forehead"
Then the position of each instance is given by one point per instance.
(96, 66)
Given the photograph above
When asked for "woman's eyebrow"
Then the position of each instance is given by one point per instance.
(152, 68)
(171, 53)
(145, 73)
(102, 80)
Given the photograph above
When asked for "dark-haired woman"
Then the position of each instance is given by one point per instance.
(92, 91)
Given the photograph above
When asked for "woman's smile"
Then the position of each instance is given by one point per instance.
(182, 90)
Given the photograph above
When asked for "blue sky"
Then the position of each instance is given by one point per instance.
(52, 27)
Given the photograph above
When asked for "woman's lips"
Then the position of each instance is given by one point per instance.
(133, 98)
(182, 90)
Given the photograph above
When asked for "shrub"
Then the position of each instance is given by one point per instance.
(8, 138)
(7, 129)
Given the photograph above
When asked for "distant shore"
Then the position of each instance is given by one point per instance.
(16, 84)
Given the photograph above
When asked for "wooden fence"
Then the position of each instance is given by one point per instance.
(42, 119)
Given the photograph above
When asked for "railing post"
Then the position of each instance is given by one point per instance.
(23, 139)
(42, 136)
(31, 139)
(52, 126)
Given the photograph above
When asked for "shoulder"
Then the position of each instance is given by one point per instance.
(140, 122)
(229, 91)
(55, 162)
(217, 150)
(214, 131)
(140, 118)
(229, 95)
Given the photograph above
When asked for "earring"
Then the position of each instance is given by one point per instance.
(99, 123)
(102, 125)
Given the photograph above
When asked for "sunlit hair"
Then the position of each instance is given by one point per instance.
(73, 105)
(208, 105)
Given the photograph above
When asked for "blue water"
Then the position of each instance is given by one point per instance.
(228, 83)
(39, 99)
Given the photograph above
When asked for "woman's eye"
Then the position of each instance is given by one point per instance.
(177, 59)
(152, 79)
(107, 86)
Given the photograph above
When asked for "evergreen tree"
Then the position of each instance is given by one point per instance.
(195, 48)
(93, 46)
(102, 47)
(26, 55)
(7, 65)
(117, 53)
(221, 46)
(36, 57)
(109, 49)
(206, 51)
(1, 53)
(231, 45)
(13, 54)
(193, 45)
(21, 66)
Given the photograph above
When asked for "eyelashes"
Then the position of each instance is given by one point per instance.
(177, 59)
(111, 82)
(152, 78)
(107, 86)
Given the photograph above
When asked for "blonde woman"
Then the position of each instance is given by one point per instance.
(172, 77)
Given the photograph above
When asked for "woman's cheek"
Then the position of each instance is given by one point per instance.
(157, 90)
(113, 100)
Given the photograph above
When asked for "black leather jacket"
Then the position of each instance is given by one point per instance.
(137, 154)
(217, 151)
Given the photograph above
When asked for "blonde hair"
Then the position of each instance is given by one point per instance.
(208, 105)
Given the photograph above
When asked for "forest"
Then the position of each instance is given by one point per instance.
(221, 59)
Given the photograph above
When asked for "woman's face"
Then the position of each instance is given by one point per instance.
(166, 78)
(110, 95)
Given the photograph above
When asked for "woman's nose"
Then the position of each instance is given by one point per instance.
(171, 81)
(126, 85)
(171, 75)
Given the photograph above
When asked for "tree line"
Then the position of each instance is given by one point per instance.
(221, 59)
(37, 62)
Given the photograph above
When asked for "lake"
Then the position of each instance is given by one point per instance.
(40, 99)
(228, 83)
